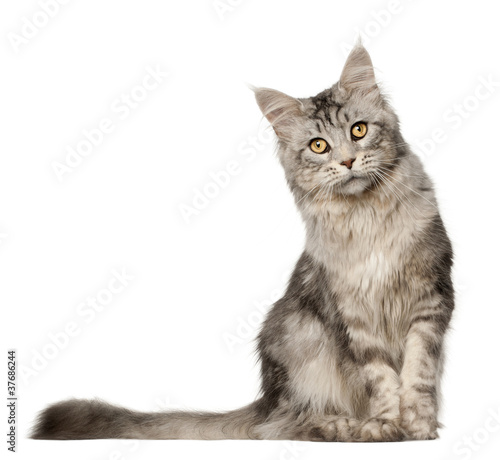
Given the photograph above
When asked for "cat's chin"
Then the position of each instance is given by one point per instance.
(354, 186)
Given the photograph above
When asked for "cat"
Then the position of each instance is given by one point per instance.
(354, 349)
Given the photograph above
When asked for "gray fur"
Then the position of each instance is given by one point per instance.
(354, 349)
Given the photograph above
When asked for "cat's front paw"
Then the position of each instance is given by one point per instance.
(418, 418)
(380, 430)
(420, 428)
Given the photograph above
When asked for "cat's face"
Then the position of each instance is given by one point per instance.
(343, 141)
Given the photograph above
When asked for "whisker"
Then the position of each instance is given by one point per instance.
(404, 173)
(414, 191)
(397, 195)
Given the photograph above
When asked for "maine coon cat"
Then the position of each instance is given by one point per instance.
(354, 349)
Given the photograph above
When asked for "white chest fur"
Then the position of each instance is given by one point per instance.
(364, 251)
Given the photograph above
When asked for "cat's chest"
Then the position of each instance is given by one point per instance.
(364, 257)
(366, 279)
(365, 270)
(363, 247)
(367, 264)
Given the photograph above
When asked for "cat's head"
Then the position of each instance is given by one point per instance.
(340, 141)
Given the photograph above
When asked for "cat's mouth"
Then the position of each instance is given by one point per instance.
(353, 184)
(352, 178)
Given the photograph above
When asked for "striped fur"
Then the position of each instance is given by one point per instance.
(354, 349)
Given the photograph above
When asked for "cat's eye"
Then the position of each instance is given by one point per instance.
(319, 145)
(359, 130)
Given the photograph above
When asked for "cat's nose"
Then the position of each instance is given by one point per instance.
(348, 163)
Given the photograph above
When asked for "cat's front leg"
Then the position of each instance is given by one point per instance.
(382, 385)
(376, 374)
(419, 377)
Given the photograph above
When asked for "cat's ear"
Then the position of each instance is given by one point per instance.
(358, 73)
(280, 110)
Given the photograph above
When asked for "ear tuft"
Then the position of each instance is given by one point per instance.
(358, 73)
(280, 109)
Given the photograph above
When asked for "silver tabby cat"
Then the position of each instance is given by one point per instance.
(354, 349)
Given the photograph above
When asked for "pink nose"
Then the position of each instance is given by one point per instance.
(348, 163)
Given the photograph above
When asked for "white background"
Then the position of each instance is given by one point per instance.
(178, 334)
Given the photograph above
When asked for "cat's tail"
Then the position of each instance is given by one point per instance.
(94, 419)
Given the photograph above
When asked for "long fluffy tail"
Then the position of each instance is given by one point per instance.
(94, 419)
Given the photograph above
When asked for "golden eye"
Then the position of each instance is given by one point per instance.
(319, 145)
(359, 130)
